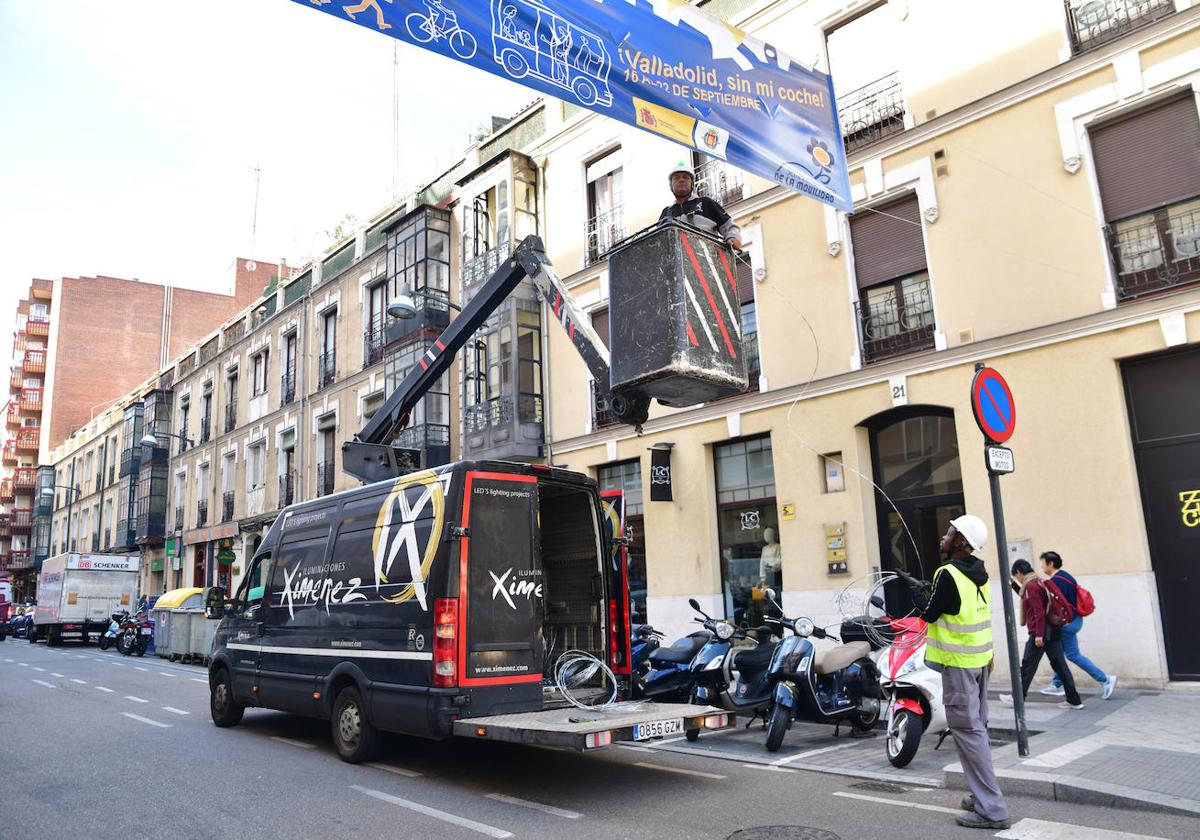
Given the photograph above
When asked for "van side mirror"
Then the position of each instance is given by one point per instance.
(214, 602)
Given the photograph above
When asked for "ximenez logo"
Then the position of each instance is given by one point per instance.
(526, 589)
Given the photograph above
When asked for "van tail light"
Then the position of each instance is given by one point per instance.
(445, 642)
(595, 740)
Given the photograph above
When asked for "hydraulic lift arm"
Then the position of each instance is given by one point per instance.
(370, 458)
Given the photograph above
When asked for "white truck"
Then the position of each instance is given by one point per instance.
(78, 593)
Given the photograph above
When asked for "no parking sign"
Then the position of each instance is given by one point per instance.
(993, 405)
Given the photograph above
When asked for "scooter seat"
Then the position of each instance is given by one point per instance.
(831, 660)
(681, 651)
(754, 660)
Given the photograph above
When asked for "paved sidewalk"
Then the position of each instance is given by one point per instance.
(1141, 749)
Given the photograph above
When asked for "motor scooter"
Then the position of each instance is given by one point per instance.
(110, 636)
(913, 692)
(134, 635)
(749, 692)
(830, 685)
(643, 641)
(667, 675)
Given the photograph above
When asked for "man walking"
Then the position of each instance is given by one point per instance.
(1043, 636)
(1052, 568)
(960, 646)
(699, 211)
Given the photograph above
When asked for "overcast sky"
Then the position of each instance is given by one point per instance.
(131, 129)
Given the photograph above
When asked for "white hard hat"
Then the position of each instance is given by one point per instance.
(683, 168)
(972, 529)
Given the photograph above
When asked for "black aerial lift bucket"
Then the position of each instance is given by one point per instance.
(675, 318)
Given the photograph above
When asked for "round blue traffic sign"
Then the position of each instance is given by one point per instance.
(993, 404)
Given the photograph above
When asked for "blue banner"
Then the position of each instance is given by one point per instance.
(661, 65)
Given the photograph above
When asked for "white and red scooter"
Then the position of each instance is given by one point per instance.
(912, 691)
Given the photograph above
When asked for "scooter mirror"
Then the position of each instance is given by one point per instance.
(695, 604)
(877, 602)
(770, 593)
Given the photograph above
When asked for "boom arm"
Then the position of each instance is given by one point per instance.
(369, 457)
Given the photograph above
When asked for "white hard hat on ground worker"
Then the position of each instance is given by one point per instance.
(972, 529)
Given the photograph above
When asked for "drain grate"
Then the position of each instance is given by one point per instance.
(881, 787)
(783, 832)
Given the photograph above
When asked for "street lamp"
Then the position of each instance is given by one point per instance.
(48, 495)
(151, 439)
(404, 306)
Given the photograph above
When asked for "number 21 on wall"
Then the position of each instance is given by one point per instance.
(899, 386)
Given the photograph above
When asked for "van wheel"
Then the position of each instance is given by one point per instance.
(225, 710)
(354, 736)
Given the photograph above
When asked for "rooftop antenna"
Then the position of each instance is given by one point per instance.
(395, 120)
(254, 221)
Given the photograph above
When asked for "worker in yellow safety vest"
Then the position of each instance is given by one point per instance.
(959, 645)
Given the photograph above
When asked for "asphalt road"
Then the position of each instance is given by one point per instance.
(98, 745)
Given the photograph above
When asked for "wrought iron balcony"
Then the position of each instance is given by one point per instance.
(201, 514)
(178, 518)
(18, 559)
(231, 416)
(205, 429)
(479, 268)
(1157, 251)
(325, 478)
(287, 387)
(374, 340)
(872, 112)
(227, 506)
(894, 325)
(720, 182)
(602, 232)
(287, 489)
(1095, 22)
(182, 440)
(431, 439)
(326, 368)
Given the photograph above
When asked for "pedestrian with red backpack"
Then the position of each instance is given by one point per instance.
(1044, 615)
(1078, 597)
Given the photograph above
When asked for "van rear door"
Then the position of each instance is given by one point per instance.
(616, 580)
(500, 640)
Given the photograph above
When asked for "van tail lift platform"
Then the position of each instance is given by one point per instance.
(370, 458)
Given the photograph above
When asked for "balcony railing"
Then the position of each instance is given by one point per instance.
(5, 526)
(1095, 22)
(603, 231)
(893, 326)
(1157, 251)
(601, 408)
(479, 268)
(182, 442)
(27, 438)
(374, 340)
(178, 519)
(21, 520)
(16, 379)
(201, 514)
(38, 325)
(9, 456)
(6, 490)
(24, 479)
(20, 341)
(326, 368)
(31, 400)
(287, 489)
(287, 387)
(227, 506)
(34, 362)
(205, 429)
(231, 416)
(872, 112)
(18, 559)
(13, 418)
(325, 478)
(720, 182)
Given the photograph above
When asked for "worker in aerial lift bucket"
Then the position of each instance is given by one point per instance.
(699, 211)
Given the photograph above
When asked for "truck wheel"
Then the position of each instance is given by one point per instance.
(777, 726)
(225, 710)
(31, 635)
(53, 637)
(354, 736)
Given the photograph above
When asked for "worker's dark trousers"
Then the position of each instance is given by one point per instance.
(1052, 647)
(964, 692)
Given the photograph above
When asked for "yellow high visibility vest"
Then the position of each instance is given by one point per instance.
(962, 640)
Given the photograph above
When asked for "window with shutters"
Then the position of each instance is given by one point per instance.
(895, 306)
(1151, 207)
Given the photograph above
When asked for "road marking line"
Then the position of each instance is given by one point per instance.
(699, 773)
(482, 828)
(301, 744)
(920, 806)
(168, 674)
(391, 768)
(197, 679)
(81, 682)
(8, 660)
(176, 711)
(55, 674)
(23, 664)
(769, 767)
(36, 668)
(135, 699)
(43, 682)
(537, 806)
(147, 720)
(1030, 829)
(140, 668)
(105, 690)
(810, 753)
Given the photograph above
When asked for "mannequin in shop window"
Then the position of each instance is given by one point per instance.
(770, 574)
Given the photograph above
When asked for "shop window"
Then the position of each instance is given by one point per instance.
(748, 528)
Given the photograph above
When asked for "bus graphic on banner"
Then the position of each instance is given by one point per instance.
(528, 39)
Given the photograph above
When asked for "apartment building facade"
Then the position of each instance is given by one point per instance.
(999, 217)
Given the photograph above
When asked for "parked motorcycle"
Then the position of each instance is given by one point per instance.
(110, 636)
(749, 692)
(829, 685)
(134, 635)
(20, 624)
(913, 692)
(644, 640)
(668, 673)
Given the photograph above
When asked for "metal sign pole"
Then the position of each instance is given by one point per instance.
(1010, 620)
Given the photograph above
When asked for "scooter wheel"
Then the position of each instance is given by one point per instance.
(777, 726)
(903, 738)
